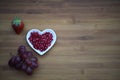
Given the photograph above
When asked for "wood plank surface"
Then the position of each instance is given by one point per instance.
(88, 43)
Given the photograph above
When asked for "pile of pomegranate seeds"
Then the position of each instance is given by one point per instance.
(41, 41)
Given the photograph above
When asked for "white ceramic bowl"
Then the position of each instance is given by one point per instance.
(41, 32)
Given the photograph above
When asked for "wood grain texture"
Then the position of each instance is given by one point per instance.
(88, 44)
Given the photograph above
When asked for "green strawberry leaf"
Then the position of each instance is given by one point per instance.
(16, 21)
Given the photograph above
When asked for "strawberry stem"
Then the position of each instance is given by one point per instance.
(16, 21)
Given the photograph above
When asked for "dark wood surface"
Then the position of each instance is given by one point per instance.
(88, 43)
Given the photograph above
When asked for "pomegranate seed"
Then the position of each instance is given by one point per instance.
(41, 41)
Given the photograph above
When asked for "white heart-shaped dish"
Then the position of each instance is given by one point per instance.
(41, 32)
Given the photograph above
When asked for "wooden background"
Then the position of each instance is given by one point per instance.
(88, 44)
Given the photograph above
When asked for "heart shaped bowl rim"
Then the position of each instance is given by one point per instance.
(41, 32)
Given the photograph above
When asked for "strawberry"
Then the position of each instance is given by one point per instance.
(17, 25)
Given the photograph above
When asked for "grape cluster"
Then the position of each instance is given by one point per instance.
(24, 60)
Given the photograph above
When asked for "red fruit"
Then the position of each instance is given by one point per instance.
(17, 25)
(41, 41)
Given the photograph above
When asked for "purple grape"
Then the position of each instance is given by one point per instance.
(28, 61)
(24, 60)
(29, 53)
(11, 62)
(24, 67)
(17, 59)
(18, 65)
(34, 59)
(21, 49)
(34, 65)
(24, 56)
(29, 70)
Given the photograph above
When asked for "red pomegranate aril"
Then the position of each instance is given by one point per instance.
(41, 41)
(35, 46)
